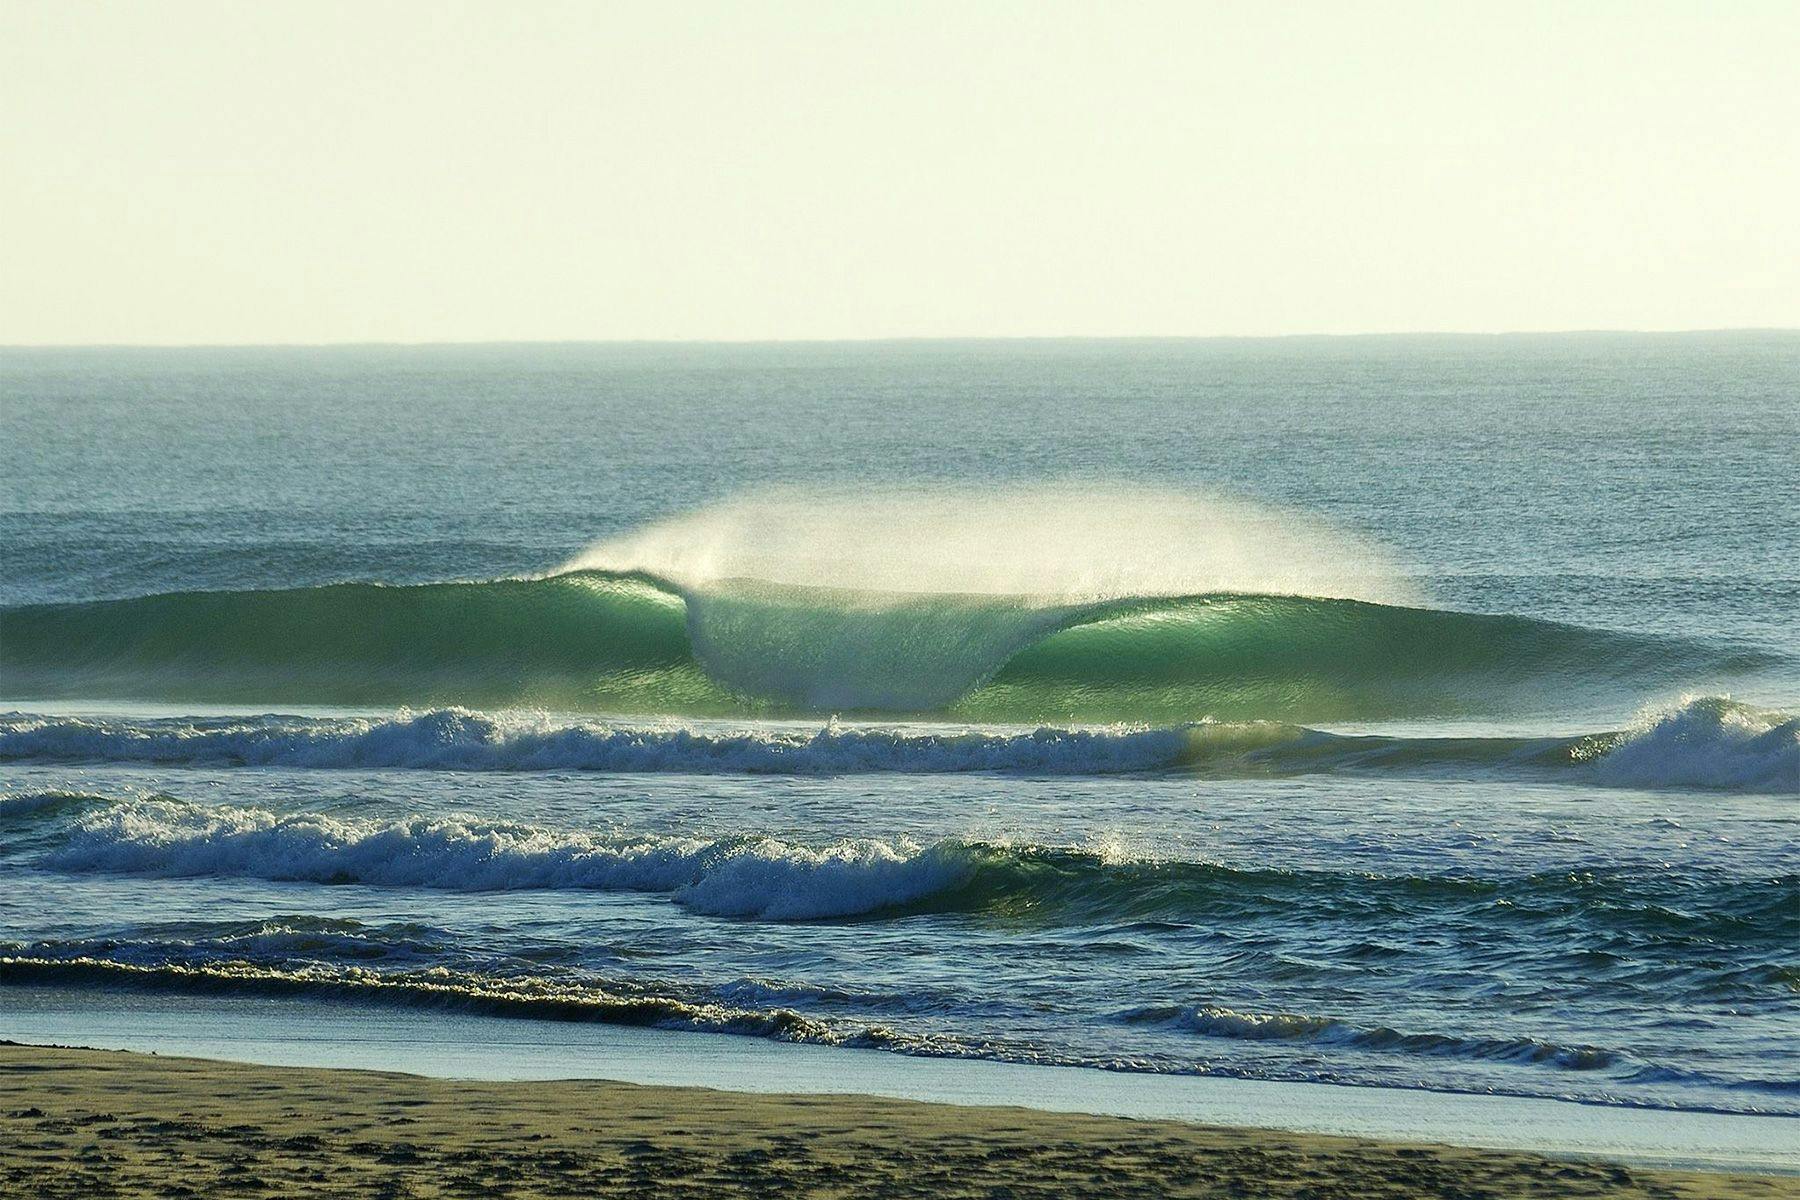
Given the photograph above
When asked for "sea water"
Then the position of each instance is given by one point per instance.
(1408, 712)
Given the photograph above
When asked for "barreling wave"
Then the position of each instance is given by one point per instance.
(1708, 742)
(626, 642)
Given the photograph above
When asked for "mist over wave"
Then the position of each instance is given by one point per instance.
(1044, 545)
(1034, 605)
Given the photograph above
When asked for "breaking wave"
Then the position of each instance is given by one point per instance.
(594, 641)
(1707, 742)
(770, 878)
(232, 966)
(745, 876)
(542, 999)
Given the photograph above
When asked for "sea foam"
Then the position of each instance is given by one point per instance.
(458, 739)
(1704, 743)
(742, 876)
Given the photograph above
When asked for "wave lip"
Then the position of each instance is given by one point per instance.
(24, 806)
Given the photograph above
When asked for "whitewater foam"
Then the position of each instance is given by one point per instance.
(742, 876)
(457, 739)
(766, 877)
(1708, 743)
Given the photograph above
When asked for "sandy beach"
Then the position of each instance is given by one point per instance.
(85, 1123)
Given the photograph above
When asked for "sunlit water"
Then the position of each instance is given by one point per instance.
(1031, 767)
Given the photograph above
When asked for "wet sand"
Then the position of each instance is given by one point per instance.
(87, 1123)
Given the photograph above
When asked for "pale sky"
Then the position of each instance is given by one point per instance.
(389, 170)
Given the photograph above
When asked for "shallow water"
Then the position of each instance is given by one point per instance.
(1019, 778)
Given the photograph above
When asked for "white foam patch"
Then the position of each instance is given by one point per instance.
(1710, 742)
(1704, 742)
(457, 739)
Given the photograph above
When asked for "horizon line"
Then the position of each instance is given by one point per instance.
(900, 339)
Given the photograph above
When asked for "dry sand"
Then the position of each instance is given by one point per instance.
(85, 1123)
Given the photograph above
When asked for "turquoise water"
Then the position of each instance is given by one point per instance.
(1412, 712)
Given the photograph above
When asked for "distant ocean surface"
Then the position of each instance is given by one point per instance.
(1408, 712)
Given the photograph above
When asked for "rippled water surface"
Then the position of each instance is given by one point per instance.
(1406, 712)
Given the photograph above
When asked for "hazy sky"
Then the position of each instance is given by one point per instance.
(393, 171)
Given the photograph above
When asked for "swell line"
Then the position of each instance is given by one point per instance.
(629, 642)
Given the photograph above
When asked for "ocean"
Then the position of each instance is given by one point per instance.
(1407, 712)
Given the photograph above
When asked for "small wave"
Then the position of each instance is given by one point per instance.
(27, 805)
(769, 878)
(745, 1010)
(745, 876)
(457, 739)
(281, 940)
(1287, 1027)
(544, 999)
(1708, 742)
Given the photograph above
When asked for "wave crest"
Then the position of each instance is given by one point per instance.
(743, 876)
(1708, 742)
(630, 643)
(457, 739)
(759, 876)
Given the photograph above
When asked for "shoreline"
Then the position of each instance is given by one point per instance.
(93, 1123)
(445, 1044)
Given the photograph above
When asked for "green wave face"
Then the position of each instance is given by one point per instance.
(598, 642)
(1300, 659)
(585, 641)
(827, 650)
